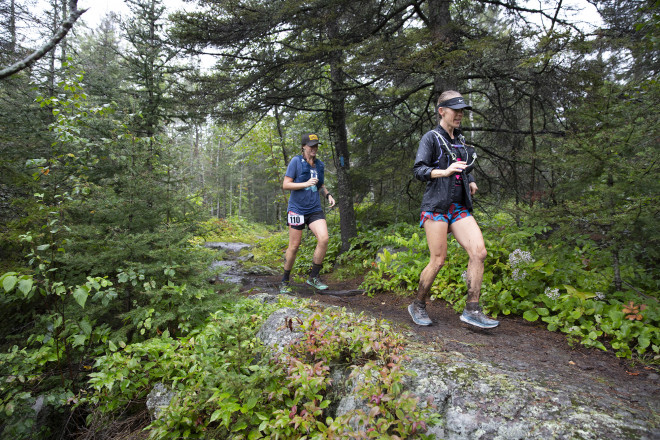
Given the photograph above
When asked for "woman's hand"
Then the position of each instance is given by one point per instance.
(473, 188)
(452, 169)
(311, 182)
(457, 167)
(331, 201)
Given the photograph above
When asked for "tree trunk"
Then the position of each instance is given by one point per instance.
(231, 193)
(618, 284)
(344, 190)
(150, 75)
(280, 133)
(515, 147)
(532, 192)
(168, 219)
(240, 191)
(52, 56)
(12, 27)
(439, 25)
(63, 42)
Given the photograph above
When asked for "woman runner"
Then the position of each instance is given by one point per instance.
(444, 161)
(304, 178)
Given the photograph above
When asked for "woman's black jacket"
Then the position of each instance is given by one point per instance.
(431, 155)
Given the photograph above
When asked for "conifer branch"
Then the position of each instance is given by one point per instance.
(62, 31)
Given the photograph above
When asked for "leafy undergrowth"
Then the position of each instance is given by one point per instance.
(228, 386)
(57, 323)
(566, 285)
(234, 230)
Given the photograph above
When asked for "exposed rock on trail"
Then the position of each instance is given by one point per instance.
(477, 400)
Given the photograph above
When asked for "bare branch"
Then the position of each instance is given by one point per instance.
(504, 130)
(64, 29)
(512, 6)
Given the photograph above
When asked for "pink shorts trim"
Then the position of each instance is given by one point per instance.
(456, 212)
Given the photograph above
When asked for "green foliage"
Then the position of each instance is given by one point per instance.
(392, 413)
(173, 306)
(270, 251)
(613, 194)
(564, 284)
(65, 335)
(398, 264)
(369, 242)
(227, 386)
(211, 367)
(234, 230)
(61, 340)
(374, 353)
(109, 257)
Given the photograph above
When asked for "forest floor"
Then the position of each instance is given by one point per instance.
(516, 346)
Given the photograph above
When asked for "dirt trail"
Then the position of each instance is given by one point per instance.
(517, 346)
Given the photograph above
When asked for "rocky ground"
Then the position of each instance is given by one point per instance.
(516, 345)
(518, 381)
(526, 353)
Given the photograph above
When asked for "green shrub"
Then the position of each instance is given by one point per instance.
(227, 386)
(566, 284)
(270, 252)
(234, 230)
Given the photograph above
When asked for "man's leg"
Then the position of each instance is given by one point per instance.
(436, 237)
(469, 236)
(320, 230)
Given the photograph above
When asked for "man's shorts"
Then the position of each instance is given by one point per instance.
(297, 221)
(456, 212)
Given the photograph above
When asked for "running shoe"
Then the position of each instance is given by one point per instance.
(285, 289)
(317, 283)
(478, 319)
(418, 313)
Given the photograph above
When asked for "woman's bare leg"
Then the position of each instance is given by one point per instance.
(436, 237)
(295, 238)
(469, 236)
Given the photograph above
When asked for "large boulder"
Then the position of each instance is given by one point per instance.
(476, 400)
(225, 246)
(158, 399)
(480, 401)
(260, 270)
(282, 328)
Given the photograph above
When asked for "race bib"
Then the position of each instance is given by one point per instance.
(296, 219)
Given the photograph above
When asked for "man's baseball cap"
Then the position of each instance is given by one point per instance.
(455, 103)
(310, 139)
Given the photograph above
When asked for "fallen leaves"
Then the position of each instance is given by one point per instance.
(633, 312)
